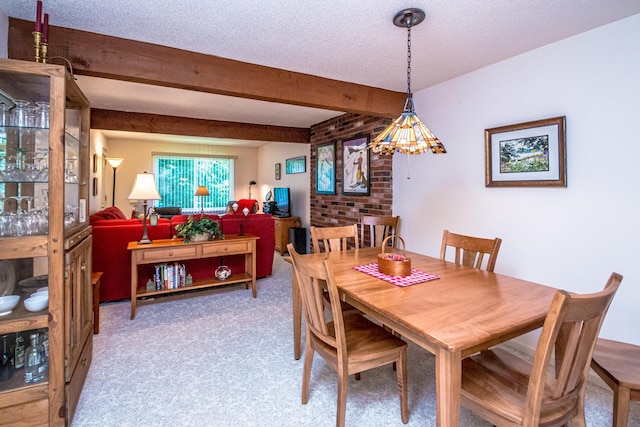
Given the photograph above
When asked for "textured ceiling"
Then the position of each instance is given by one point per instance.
(353, 41)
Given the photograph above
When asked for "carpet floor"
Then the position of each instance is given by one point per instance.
(222, 358)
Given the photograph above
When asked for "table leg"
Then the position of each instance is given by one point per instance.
(297, 313)
(297, 317)
(448, 386)
(621, 398)
(252, 264)
(95, 282)
(134, 285)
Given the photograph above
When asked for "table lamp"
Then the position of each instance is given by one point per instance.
(144, 188)
(202, 192)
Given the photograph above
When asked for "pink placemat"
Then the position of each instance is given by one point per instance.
(416, 276)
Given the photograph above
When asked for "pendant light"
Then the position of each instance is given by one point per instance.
(407, 134)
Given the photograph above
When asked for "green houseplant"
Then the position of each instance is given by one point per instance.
(193, 228)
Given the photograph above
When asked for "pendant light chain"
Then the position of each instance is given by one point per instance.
(407, 134)
(409, 61)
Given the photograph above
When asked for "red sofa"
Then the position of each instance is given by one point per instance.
(112, 232)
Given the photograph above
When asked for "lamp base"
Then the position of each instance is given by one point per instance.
(144, 241)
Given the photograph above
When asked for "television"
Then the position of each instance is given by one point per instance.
(282, 198)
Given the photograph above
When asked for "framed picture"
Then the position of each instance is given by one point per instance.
(326, 169)
(355, 167)
(278, 171)
(531, 154)
(95, 186)
(296, 165)
(95, 163)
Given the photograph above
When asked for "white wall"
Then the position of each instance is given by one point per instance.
(298, 183)
(570, 238)
(138, 158)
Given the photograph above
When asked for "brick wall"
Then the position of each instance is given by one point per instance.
(335, 210)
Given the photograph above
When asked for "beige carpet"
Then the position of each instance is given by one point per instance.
(223, 358)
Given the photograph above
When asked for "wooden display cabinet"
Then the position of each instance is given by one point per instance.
(45, 239)
(282, 226)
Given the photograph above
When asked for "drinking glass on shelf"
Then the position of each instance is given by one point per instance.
(23, 223)
(5, 115)
(42, 115)
(22, 114)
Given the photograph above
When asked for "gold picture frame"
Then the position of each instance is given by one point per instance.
(530, 154)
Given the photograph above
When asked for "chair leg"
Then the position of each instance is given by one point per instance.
(306, 373)
(402, 386)
(341, 413)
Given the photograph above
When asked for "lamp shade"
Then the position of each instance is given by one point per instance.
(408, 135)
(202, 191)
(114, 161)
(144, 188)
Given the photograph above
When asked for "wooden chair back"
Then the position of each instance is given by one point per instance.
(328, 239)
(374, 229)
(350, 343)
(495, 379)
(470, 251)
(313, 278)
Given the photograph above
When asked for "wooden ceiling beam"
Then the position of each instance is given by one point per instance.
(156, 123)
(104, 56)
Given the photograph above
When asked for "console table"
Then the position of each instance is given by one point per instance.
(170, 250)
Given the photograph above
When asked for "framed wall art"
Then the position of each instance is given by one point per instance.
(326, 169)
(278, 166)
(95, 186)
(296, 165)
(355, 167)
(531, 154)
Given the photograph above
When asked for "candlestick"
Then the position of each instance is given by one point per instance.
(38, 15)
(43, 52)
(45, 29)
(37, 42)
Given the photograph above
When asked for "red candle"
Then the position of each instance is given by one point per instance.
(38, 15)
(45, 28)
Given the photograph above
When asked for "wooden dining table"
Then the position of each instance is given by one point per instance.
(462, 312)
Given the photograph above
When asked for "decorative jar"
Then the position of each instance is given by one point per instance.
(223, 272)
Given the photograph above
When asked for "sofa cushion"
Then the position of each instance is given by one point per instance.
(115, 212)
(250, 204)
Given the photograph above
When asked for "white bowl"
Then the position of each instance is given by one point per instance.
(40, 294)
(8, 303)
(36, 303)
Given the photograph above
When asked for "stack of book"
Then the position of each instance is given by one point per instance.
(170, 276)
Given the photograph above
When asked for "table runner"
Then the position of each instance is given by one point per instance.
(416, 276)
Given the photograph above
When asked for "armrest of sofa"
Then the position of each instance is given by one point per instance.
(111, 257)
(260, 225)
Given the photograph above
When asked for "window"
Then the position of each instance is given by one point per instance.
(178, 177)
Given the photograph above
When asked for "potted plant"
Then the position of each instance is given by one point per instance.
(198, 229)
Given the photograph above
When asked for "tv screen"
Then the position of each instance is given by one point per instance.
(283, 202)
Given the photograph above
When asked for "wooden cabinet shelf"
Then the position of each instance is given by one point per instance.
(45, 169)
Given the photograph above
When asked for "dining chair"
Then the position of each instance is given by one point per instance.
(618, 364)
(374, 229)
(470, 251)
(341, 238)
(348, 344)
(329, 239)
(509, 391)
